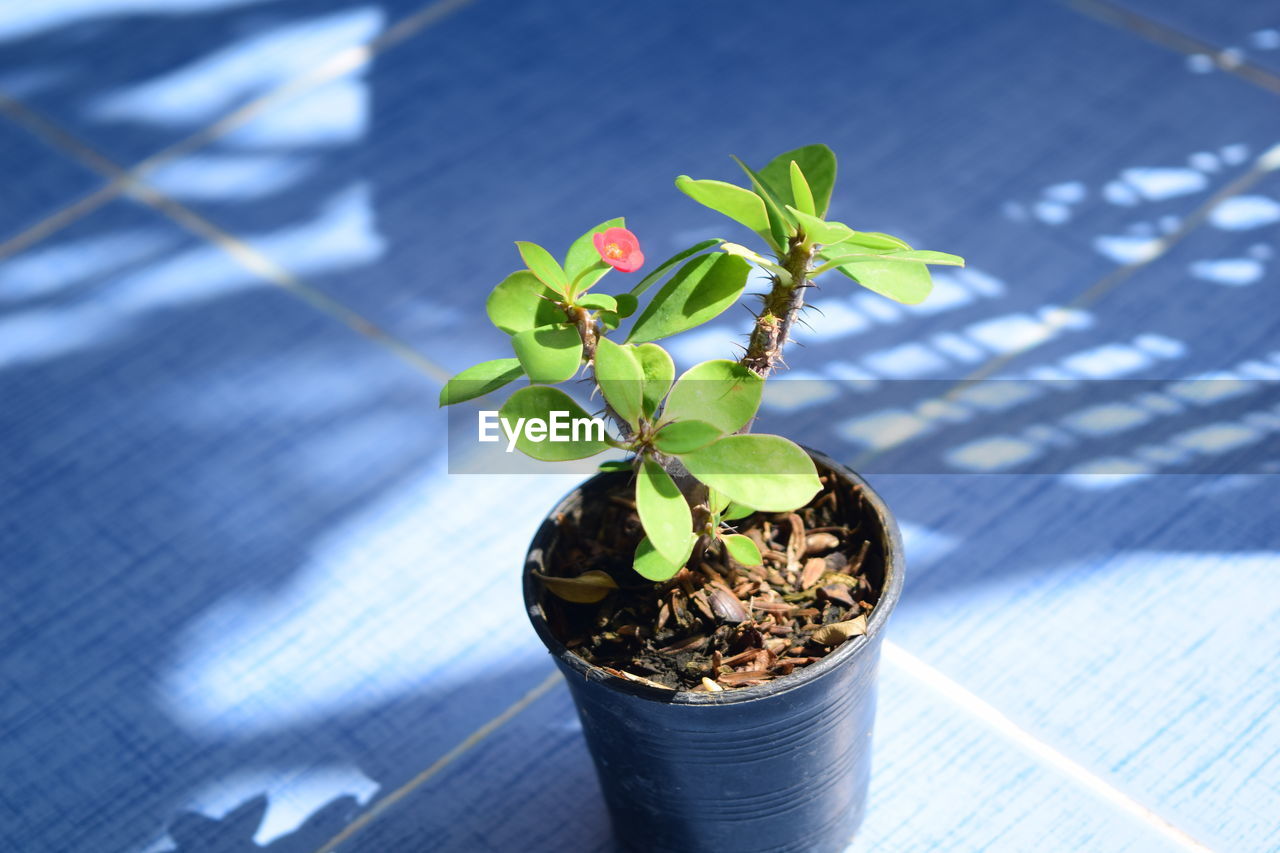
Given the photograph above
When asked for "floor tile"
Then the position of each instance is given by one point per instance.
(1246, 30)
(40, 179)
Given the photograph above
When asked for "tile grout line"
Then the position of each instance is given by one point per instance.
(1166, 36)
(961, 697)
(382, 805)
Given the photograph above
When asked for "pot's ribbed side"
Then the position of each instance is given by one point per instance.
(787, 772)
(781, 767)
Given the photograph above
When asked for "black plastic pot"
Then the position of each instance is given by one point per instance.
(780, 766)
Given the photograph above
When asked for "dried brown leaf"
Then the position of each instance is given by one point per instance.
(586, 588)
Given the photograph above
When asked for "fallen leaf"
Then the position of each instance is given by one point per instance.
(837, 632)
(586, 588)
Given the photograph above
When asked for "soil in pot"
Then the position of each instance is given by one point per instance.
(718, 625)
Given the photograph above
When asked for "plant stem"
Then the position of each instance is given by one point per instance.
(782, 305)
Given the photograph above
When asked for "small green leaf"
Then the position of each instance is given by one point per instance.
(610, 319)
(716, 502)
(663, 268)
(763, 471)
(480, 379)
(655, 567)
(702, 289)
(781, 226)
(921, 255)
(664, 512)
(626, 304)
(820, 231)
(659, 373)
(611, 466)
(875, 240)
(586, 588)
(685, 436)
(556, 411)
(544, 267)
(602, 301)
(800, 190)
(520, 302)
(742, 549)
(549, 354)
(582, 264)
(903, 281)
(818, 163)
(736, 511)
(621, 379)
(740, 205)
(722, 393)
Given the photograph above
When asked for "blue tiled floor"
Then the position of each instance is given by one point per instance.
(243, 600)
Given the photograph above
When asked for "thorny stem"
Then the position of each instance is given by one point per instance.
(782, 305)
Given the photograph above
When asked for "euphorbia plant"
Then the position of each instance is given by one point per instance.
(696, 467)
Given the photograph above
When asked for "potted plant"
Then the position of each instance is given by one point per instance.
(717, 598)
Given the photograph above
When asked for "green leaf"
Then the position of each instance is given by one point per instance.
(922, 255)
(763, 471)
(602, 301)
(556, 410)
(664, 512)
(582, 264)
(610, 466)
(621, 379)
(818, 162)
(819, 231)
(780, 223)
(742, 549)
(652, 565)
(626, 304)
(544, 266)
(586, 588)
(661, 269)
(876, 240)
(722, 393)
(610, 319)
(520, 302)
(549, 354)
(480, 379)
(903, 281)
(684, 436)
(701, 290)
(716, 502)
(659, 373)
(800, 190)
(736, 511)
(740, 205)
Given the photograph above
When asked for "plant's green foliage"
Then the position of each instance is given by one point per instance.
(520, 302)
(701, 290)
(758, 259)
(614, 465)
(763, 471)
(781, 226)
(819, 231)
(549, 354)
(839, 256)
(659, 373)
(817, 162)
(545, 404)
(582, 265)
(663, 268)
(626, 304)
(742, 549)
(800, 191)
(875, 240)
(907, 282)
(722, 393)
(736, 511)
(544, 266)
(621, 379)
(716, 502)
(663, 511)
(480, 379)
(740, 205)
(652, 565)
(601, 301)
(685, 436)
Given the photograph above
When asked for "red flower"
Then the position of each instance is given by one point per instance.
(620, 249)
